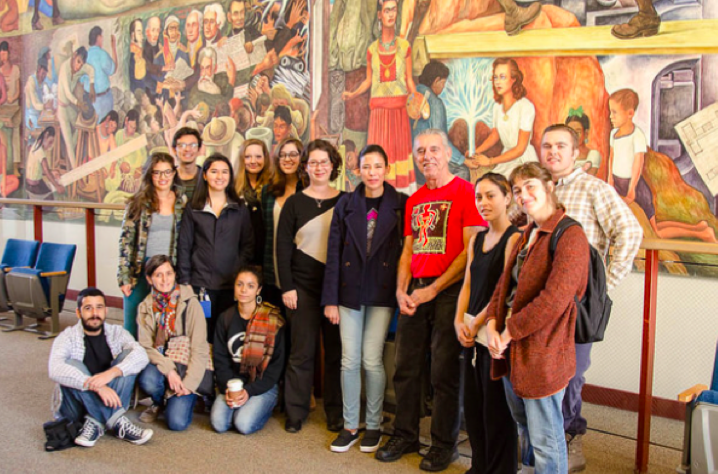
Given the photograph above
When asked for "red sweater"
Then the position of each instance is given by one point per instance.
(542, 354)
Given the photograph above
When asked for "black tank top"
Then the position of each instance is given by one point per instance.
(486, 269)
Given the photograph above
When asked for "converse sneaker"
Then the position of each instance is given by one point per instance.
(125, 429)
(344, 441)
(150, 414)
(91, 432)
(370, 441)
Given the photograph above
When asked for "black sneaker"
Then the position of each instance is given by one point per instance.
(91, 432)
(438, 459)
(130, 432)
(395, 448)
(370, 441)
(335, 425)
(291, 426)
(344, 441)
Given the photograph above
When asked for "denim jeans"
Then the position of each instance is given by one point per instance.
(130, 303)
(250, 417)
(363, 334)
(178, 410)
(78, 403)
(540, 423)
(431, 327)
(573, 423)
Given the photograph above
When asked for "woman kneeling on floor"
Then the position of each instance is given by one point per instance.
(249, 352)
(170, 311)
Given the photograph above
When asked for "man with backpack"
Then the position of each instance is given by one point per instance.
(606, 220)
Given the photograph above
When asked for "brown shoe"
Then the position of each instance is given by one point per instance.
(643, 24)
(36, 25)
(518, 17)
(57, 20)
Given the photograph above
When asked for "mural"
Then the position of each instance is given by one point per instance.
(645, 122)
(99, 96)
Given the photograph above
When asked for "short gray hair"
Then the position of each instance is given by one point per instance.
(200, 17)
(435, 131)
(219, 11)
(208, 52)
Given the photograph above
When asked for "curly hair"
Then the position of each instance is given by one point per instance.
(518, 90)
(334, 157)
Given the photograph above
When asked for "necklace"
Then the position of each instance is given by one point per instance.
(389, 45)
(387, 67)
(319, 202)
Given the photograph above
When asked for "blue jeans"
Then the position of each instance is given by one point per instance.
(78, 403)
(573, 423)
(130, 303)
(178, 411)
(250, 417)
(363, 333)
(540, 424)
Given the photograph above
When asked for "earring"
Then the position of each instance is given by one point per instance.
(259, 300)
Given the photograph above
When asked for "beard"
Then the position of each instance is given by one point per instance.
(87, 325)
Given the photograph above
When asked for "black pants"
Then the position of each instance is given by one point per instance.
(221, 300)
(491, 429)
(306, 322)
(432, 326)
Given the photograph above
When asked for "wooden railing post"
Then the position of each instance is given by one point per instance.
(90, 246)
(37, 222)
(648, 349)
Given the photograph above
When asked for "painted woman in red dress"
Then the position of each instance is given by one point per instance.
(388, 74)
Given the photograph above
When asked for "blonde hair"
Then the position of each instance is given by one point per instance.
(241, 183)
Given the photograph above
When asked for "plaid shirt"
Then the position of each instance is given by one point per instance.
(606, 220)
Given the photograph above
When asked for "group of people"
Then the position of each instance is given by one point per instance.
(462, 276)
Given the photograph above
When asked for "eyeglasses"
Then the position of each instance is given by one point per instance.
(191, 146)
(165, 173)
(318, 164)
(292, 155)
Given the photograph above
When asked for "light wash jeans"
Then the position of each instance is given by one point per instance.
(540, 422)
(178, 410)
(79, 403)
(363, 333)
(250, 417)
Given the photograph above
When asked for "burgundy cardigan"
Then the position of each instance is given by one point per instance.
(542, 353)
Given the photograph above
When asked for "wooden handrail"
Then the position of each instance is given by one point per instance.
(71, 204)
(684, 246)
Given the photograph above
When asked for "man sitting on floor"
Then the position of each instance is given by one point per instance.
(95, 366)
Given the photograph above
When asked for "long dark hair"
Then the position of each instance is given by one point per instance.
(201, 192)
(278, 185)
(518, 89)
(48, 132)
(146, 194)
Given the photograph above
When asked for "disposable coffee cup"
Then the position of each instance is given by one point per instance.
(234, 386)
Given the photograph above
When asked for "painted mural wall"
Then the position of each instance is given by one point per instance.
(495, 110)
(89, 92)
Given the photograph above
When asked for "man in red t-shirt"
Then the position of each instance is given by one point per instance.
(441, 217)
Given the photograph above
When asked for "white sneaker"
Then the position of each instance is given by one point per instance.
(91, 432)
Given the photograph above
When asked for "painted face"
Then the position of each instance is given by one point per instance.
(98, 41)
(4, 55)
(173, 32)
(191, 28)
(281, 129)
(163, 278)
(373, 171)
(41, 75)
(138, 35)
(210, 25)
(431, 155)
(92, 313)
(162, 176)
(289, 159)
(217, 176)
(48, 143)
(438, 86)
(490, 201)
(254, 159)
(619, 116)
(351, 159)
(246, 288)
(77, 62)
(387, 14)
(503, 82)
(578, 128)
(130, 127)
(111, 126)
(531, 196)
(557, 153)
(187, 149)
(236, 14)
(206, 68)
(319, 167)
(153, 30)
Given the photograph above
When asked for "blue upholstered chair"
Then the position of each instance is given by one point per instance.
(700, 438)
(17, 253)
(40, 292)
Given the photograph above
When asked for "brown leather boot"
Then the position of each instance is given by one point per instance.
(517, 17)
(645, 23)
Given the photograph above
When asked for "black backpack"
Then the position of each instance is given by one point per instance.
(594, 309)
